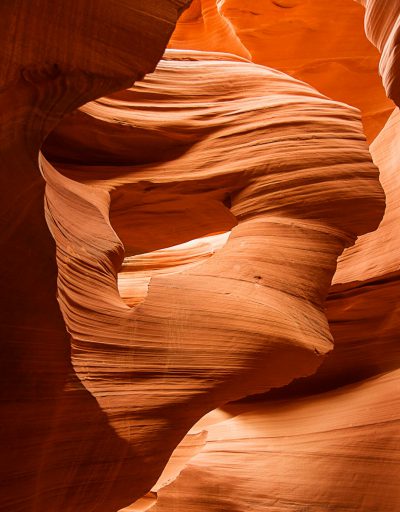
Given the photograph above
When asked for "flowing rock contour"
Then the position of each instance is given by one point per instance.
(382, 26)
(335, 451)
(322, 43)
(59, 452)
(190, 228)
(262, 155)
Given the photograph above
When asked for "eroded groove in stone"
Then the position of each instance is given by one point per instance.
(286, 164)
(338, 450)
(198, 217)
(382, 26)
(59, 452)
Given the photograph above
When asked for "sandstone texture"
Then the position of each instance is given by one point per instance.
(322, 43)
(59, 452)
(335, 451)
(382, 26)
(201, 256)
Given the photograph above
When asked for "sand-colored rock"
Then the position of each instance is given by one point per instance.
(59, 452)
(382, 26)
(334, 451)
(376, 256)
(246, 319)
(362, 306)
(322, 43)
(195, 222)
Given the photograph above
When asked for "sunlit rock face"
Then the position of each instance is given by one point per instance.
(322, 43)
(330, 451)
(273, 173)
(382, 26)
(201, 269)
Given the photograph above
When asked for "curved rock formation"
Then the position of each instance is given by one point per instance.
(292, 192)
(336, 451)
(363, 307)
(204, 27)
(198, 217)
(382, 26)
(266, 454)
(59, 452)
(322, 43)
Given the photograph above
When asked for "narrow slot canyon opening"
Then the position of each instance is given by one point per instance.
(166, 229)
(136, 271)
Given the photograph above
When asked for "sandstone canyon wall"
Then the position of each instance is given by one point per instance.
(199, 306)
(59, 451)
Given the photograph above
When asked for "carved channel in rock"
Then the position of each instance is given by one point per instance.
(137, 271)
(297, 170)
(166, 229)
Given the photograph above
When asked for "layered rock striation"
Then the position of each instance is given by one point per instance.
(322, 43)
(382, 26)
(169, 248)
(333, 451)
(244, 320)
(59, 453)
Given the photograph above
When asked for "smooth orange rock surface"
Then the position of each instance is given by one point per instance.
(322, 43)
(59, 452)
(362, 306)
(168, 248)
(382, 26)
(204, 27)
(246, 319)
(335, 451)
